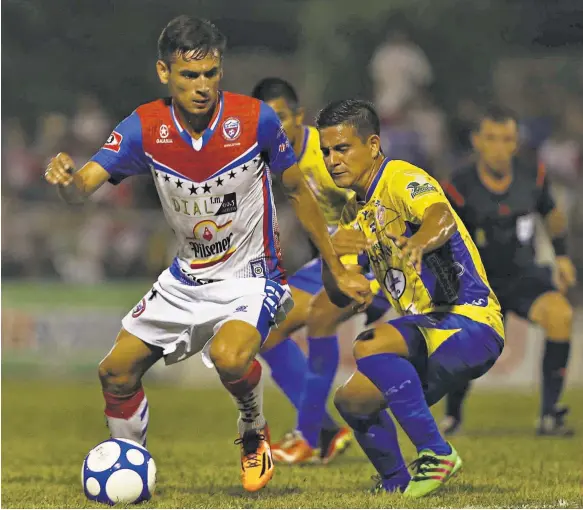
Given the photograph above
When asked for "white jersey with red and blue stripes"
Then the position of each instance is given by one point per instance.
(215, 191)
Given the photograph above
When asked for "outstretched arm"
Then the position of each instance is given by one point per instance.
(75, 187)
(354, 286)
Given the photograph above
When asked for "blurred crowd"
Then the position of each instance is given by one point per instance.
(120, 234)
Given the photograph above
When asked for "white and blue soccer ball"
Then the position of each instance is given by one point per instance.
(118, 471)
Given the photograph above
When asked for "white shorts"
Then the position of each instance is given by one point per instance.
(182, 319)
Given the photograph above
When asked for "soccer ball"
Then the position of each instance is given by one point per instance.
(118, 471)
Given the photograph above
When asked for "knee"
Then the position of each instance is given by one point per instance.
(229, 358)
(381, 340)
(117, 378)
(322, 321)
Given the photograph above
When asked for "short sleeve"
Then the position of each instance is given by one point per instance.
(545, 203)
(415, 191)
(273, 142)
(122, 155)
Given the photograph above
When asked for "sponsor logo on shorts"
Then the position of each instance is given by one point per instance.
(113, 143)
(139, 309)
(420, 189)
(211, 244)
(205, 206)
(241, 309)
(231, 129)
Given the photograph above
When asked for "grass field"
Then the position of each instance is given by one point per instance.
(47, 428)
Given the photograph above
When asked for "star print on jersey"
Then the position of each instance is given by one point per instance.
(219, 181)
(193, 190)
(206, 188)
(178, 183)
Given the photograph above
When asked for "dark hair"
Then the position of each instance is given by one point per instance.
(357, 113)
(185, 34)
(269, 89)
(496, 113)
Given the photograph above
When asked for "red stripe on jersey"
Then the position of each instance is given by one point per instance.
(453, 193)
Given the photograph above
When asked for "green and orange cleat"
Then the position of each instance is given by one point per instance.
(431, 471)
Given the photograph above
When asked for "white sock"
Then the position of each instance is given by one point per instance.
(134, 427)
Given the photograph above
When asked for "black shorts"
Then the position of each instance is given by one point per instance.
(518, 292)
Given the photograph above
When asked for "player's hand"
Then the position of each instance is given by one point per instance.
(350, 242)
(566, 274)
(352, 283)
(60, 170)
(409, 250)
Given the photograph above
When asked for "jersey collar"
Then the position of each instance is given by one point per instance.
(197, 145)
(377, 178)
(304, 143)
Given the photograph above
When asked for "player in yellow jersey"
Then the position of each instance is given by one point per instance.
(450, 329)
(307, 382)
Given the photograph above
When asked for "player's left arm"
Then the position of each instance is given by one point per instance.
(281, 159)
(422, 200)
(556, 226)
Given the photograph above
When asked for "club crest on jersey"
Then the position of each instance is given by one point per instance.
(231, 129)
(395, 282)
(210, 244)
(420, 189)
(139, 309)
(113, 143)
(164, 133)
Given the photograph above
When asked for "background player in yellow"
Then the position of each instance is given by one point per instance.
(450, 327)
(307, 382)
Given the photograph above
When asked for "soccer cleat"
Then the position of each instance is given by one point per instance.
(297, 452)
(431, 471)
(450, 426)
(288, 439)
(554, 424)
(256, 460)
(333, 443)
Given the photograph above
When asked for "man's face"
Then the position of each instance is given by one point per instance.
(290, 120)
(496, 143)
(346, 155)
(193, 84)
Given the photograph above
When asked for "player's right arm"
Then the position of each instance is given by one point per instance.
(121, 156)
(74, 187)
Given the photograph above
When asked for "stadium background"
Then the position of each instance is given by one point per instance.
(69, 275)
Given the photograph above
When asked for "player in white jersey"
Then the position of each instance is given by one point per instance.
(207, 151)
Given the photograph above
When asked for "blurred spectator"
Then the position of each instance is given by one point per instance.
(90, 124)
(399, 70)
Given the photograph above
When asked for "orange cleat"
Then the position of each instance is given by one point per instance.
(296, 451)
(336, 445)
(256, 460)
(288, 440)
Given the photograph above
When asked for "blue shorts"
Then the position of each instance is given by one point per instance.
(309, 279)
(448, 349)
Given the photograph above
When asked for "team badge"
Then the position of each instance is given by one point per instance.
(139, 309)
(420, 189)
(231, 129)
(395, 282)
(113, 143)
(164, 131)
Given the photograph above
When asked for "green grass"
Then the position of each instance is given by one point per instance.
(52, 295)
(47, 428)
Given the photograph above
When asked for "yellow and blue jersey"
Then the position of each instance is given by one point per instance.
(452, 279)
